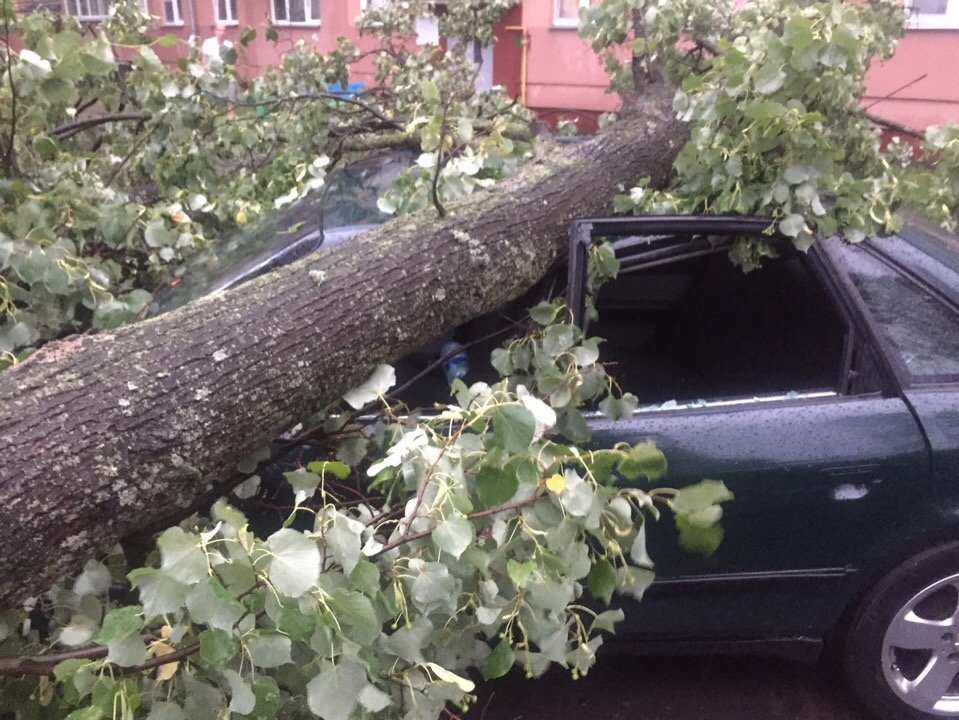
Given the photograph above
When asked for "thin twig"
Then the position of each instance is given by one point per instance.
(472, 516)
(126, 158)
(898, 127)
(70, 129)
(896, 91)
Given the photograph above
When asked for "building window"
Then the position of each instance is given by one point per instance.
(226, 12)
(172, 12)
(566, 12)
(88, 9)
(296, 12)
(933, 14)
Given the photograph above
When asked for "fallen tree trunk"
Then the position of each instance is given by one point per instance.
(105, 434)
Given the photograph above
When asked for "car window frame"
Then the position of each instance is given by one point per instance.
(583, 230)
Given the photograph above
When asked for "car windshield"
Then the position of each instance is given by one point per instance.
(344, 206)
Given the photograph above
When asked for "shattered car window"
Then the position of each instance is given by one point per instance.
(921, 327)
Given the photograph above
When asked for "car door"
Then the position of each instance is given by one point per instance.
(763, 381)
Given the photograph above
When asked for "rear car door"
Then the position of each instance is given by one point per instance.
(763, 380)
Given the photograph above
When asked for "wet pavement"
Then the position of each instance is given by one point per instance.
(650, 688)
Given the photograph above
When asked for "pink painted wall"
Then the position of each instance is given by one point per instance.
(564, 72)
(932, 100)
(337, 19)
(565, 78)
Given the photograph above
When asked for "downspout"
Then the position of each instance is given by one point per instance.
(192, 16)
(524, 44)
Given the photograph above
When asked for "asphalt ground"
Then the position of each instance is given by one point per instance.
(651, 688)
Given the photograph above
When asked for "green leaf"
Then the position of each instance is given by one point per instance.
(602, 580)
(432, 585)
(78, 631)
(295, 565)
(450, 677)
(617, 408)
(40, 65)
(159, 593)
(607, 620)
(58, 90)
(544, 313)
(637, 551)
(429, 89)
(792, 225)
(103, 694)
(127, 652)
(334, 692)
(453, 534)
(294, 623)
(343, 536)
(513, 428)
(210, 603)
(797, 32)
(374, 699)
(304, 484)
(267, 694)
(64, 671)
(96, 59)
(157, 234)
(634, 581)
(381, 380)
(643, 459)
(248, 36)
(182, 557)
(495, 486)
(693, 498)
(571, 424)
(697, 538)
(268, 650)
(87, 713)
(499, 662)
(356, 610)
(242, 699)
(339, 470)
(769, 79)
(519, 572)
(120, 624)
(168, 40)
(218, 647)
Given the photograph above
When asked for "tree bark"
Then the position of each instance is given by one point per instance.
(102, 435)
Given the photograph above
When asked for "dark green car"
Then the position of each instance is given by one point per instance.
(823, 390)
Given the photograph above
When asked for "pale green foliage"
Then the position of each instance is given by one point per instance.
(776, 128)
(932, 191)
(481, 538)
(95, 214)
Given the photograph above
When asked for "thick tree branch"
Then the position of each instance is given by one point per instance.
(103, 435)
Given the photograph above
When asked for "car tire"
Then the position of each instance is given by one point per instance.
(901, 649)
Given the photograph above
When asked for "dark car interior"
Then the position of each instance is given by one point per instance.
(702, 328)
(691, 329)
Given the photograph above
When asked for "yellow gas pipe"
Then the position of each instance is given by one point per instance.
(524, 44)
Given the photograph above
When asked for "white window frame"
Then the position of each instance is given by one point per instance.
(564, 22)
(177, 19)
(949, 20)
(309, 22)
(81, 9)
(231, 19)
